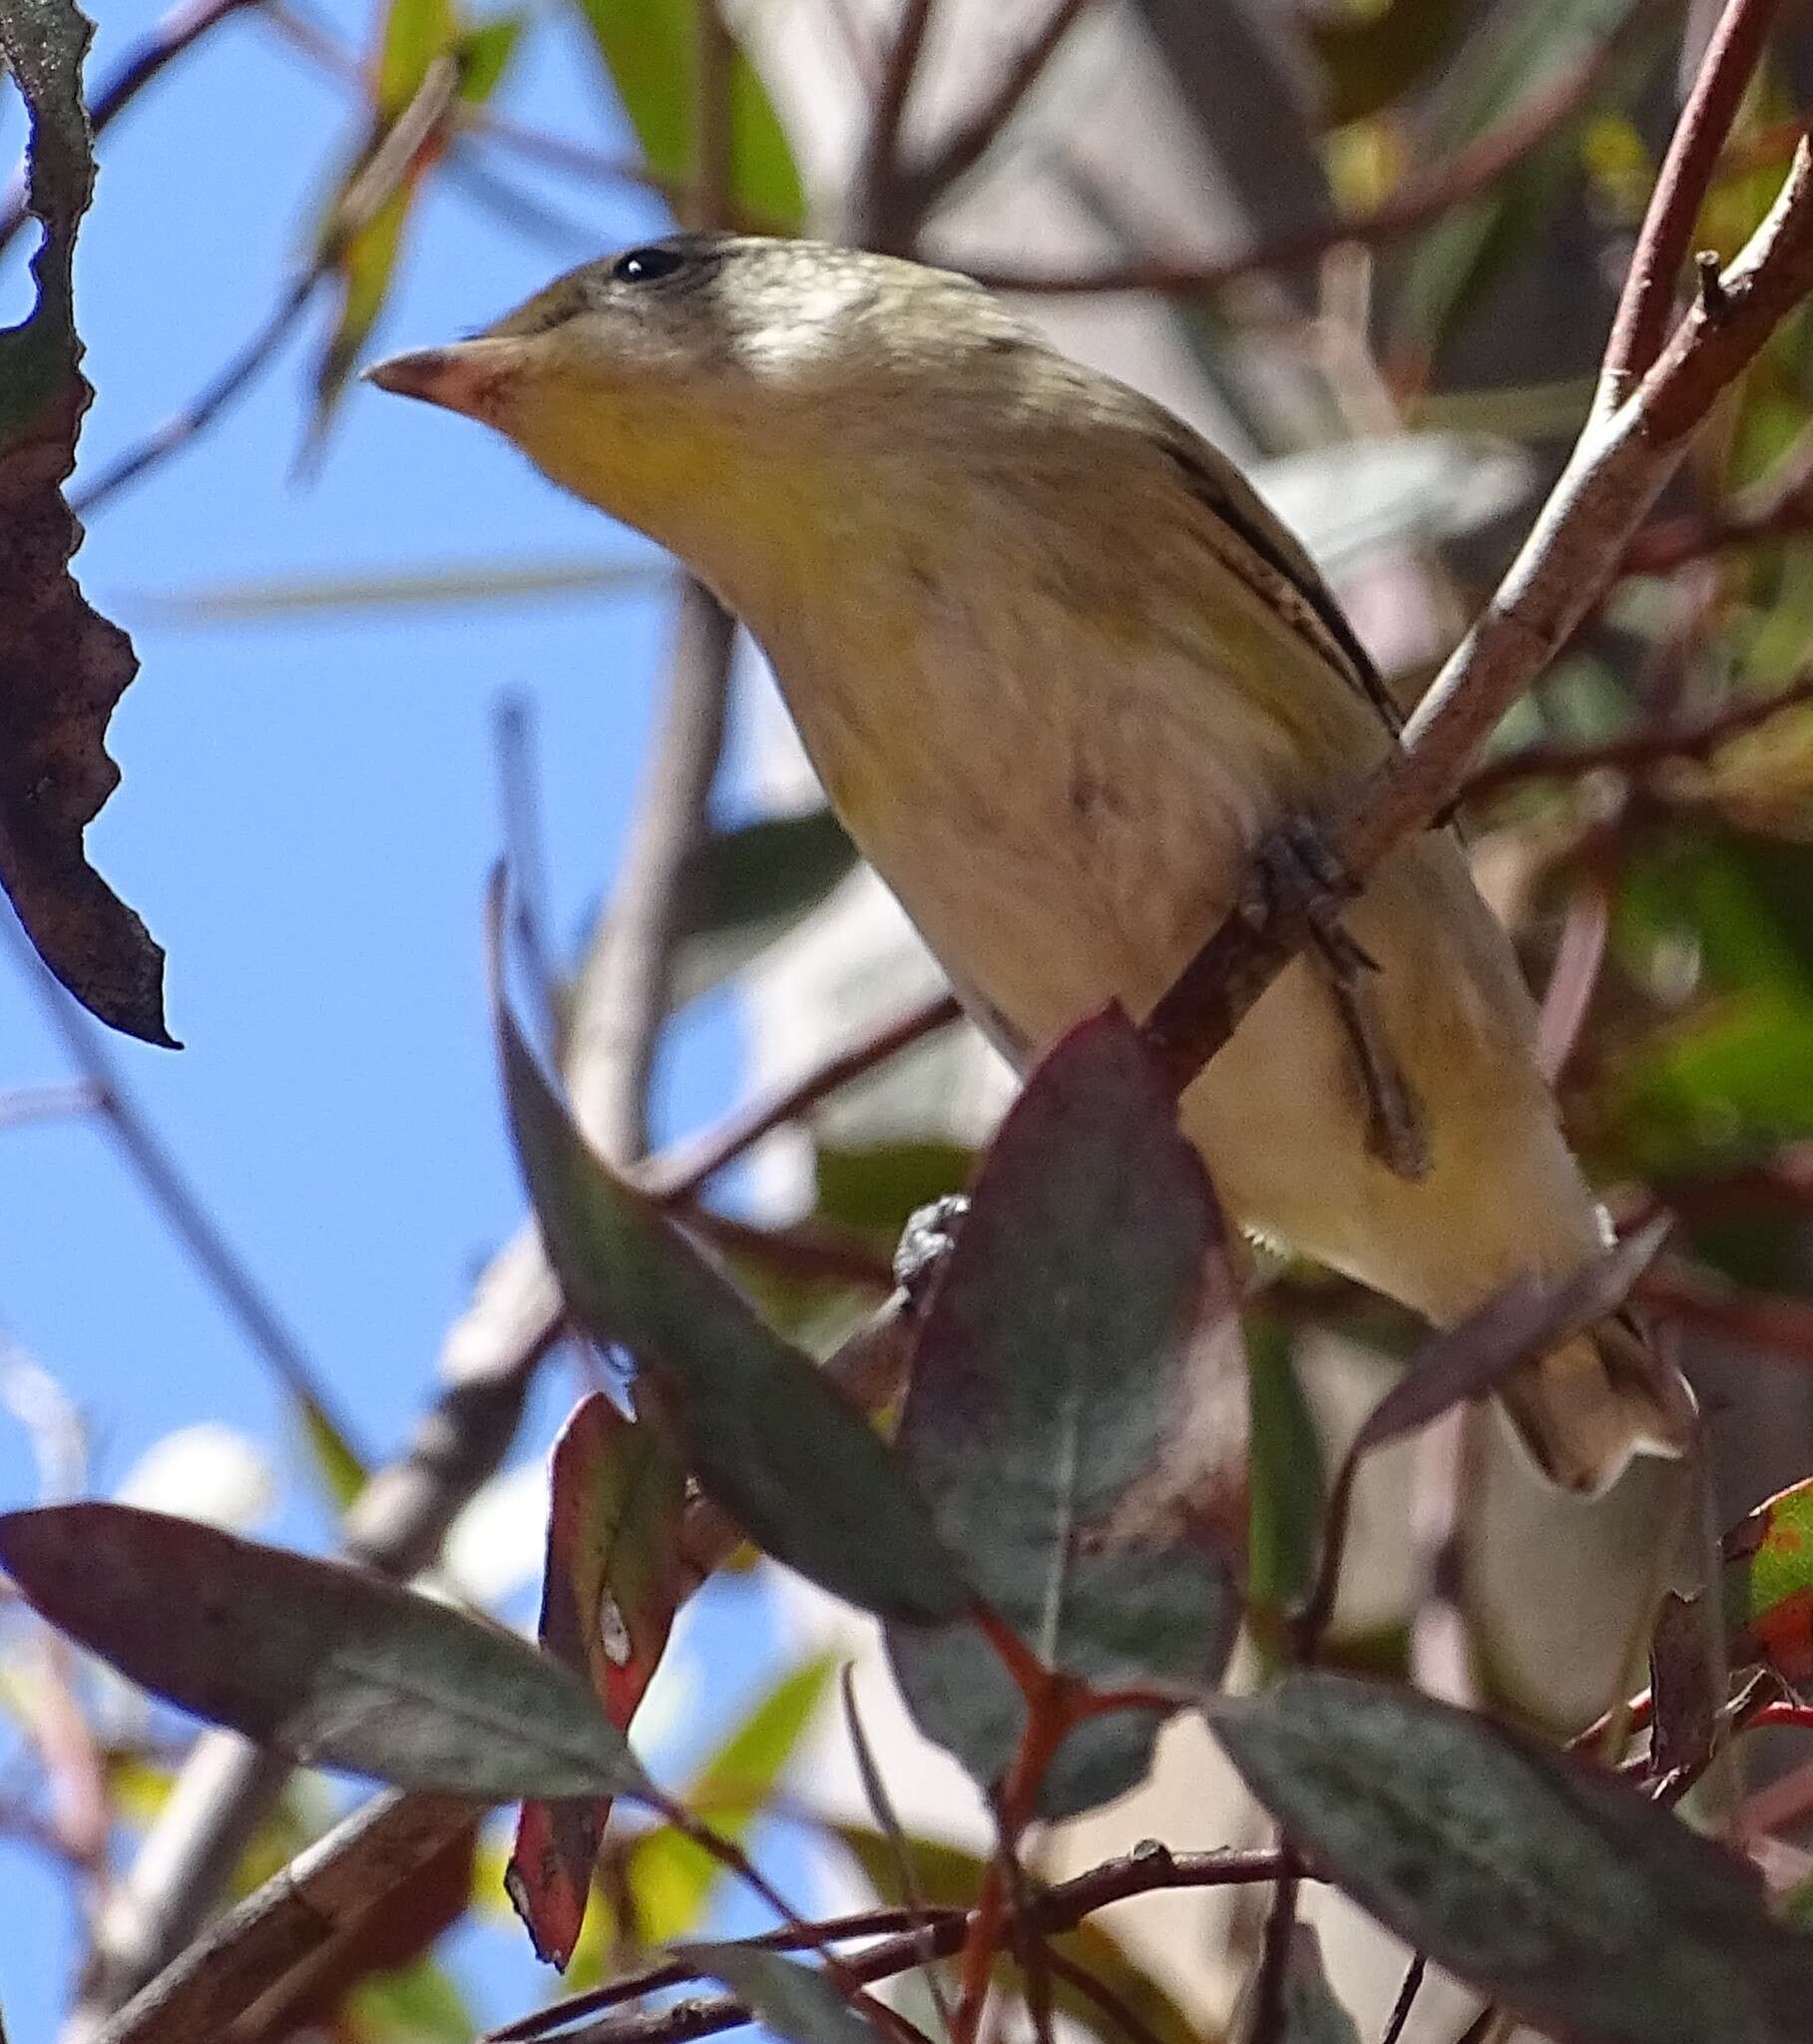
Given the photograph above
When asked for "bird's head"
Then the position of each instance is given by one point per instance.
(729, 393)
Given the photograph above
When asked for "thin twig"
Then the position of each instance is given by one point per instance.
(679, 1174)
(390, 163)
(1690, 738)
(1272, 1991)
(178, 30)
(170, 1192)
(1642, 319)
(209, 401)
(1407, 1999)
(1579, 960)
(1060, 1908)
(1422, 198)
(1124, 2017)
(874, 203)
(920, 186)
(525, 850)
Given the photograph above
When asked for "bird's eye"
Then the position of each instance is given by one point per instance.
(643, 266)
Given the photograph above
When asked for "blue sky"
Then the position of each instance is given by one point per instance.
(308, 810)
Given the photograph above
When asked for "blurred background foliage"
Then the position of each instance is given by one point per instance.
(1372, 248)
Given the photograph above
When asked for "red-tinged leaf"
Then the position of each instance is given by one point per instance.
(779, 1447)
(330, 1665)
(63, 667)
(1768, 1587)
(1077, 1384)
(609, 1597)
(1558, 1891)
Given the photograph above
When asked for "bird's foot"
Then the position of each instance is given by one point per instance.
(1295, 871)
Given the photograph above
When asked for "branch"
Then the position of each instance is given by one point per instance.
(919, 187)
(1617, 471)
(1690, 738)
(1640, 322)
(1422, 198)
(677, 1175)
(317, 1898)
(1142, 1871)
(874, 210)
(25, 1104)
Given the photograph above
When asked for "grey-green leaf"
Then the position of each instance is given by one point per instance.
(1558, 1891)
(1063, 1414)
(786, 1454)
(793, 2001)
(332, 1665)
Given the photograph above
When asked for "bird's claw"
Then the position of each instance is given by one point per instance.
(1295, 870)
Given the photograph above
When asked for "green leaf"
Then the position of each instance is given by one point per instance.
(672, 1878)
(63, 667)
(337, 1461)
(1055, 1414)
(649, 49)
(612, 1586)
(1728, 1082)
(330, 1665)
(1311, 2012)
(793, 2001)
(792, 1462)
(1285, 1473)
(749, 884)
(1768, 1586)
(415, 34)
(416, 2004)
(1375, 54)
(879, 1186)
(1557, 1889)
(1742, 901)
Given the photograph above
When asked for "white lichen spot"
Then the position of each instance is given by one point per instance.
(613, 1631)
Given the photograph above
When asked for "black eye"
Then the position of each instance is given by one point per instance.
(643, 266)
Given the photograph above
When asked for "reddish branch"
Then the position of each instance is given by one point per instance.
(1146, 1870)
(1692, 739)
(1641, 322)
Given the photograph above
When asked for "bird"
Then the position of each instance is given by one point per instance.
(1065, 680)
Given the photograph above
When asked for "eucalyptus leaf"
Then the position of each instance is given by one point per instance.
(786, 1454)
(1056, 1416)
(332, 1665)
(795, 2002)
(1558, 1891)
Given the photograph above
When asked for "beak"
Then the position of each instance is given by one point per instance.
(466, 376)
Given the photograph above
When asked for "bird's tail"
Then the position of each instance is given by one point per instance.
(1586, 1410)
